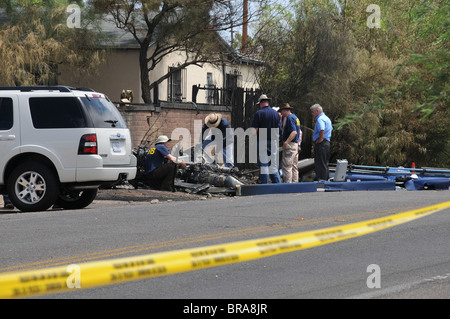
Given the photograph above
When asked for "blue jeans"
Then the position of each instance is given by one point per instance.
(6, 199)
(227, 151)
(268, 162)
(275, 178)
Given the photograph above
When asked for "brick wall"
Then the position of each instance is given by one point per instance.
(151, 121)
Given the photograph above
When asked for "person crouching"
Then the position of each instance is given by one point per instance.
(161, 173)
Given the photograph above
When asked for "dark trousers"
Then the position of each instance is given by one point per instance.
(321, 158)
(163, 177)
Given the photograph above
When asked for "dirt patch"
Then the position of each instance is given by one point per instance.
(146, 195)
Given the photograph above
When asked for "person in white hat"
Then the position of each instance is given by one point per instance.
(266, 123)
(160, 174)
(220, 128)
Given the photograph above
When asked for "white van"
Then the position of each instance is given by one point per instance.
(59, 144)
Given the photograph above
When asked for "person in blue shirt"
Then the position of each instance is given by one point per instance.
(215, 122)
(161, 166)
(321, 138)
(290, 139)
(266, 123)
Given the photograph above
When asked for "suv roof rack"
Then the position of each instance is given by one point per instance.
(60, 88)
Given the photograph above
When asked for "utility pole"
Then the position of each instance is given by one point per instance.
(244, 28)
(232, 36)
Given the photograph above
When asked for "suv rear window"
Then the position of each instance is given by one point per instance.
(56, 112)
(6, 113)
(103, 113)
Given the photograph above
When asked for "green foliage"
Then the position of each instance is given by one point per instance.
(389, 97)
(305, 57)
(36, 40)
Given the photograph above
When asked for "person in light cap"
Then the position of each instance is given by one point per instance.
(220, 128)
(160, 174)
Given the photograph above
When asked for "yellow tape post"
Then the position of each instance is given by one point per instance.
(101, 273)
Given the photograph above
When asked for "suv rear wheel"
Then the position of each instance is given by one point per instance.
(76, 199)
(32, 187)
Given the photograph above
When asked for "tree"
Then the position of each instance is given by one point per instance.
(163, 27)
(386, 89)
(306, 54)
(36, 39)
(411, 81)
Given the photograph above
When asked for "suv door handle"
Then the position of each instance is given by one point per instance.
(7, 137)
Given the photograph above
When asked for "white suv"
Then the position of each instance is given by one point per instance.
(59, 144)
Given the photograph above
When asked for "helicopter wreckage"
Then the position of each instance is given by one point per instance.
(206, 177)
(203, 176)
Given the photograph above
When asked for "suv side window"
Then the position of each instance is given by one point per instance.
(6, 113)
(56, 112)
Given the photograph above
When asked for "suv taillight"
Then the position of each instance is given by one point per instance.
(88, 144)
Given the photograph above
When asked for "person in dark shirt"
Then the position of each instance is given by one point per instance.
(290, 140)
(267, 125)
(161, 166)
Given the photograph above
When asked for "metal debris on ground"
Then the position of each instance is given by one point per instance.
(204, 177)
(213, 179)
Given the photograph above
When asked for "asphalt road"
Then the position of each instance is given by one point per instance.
(413, 259)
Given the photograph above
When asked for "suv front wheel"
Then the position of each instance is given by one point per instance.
(32, 187)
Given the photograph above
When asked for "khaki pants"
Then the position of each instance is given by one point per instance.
(290, 162)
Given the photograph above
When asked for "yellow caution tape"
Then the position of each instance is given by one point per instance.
(101, 273)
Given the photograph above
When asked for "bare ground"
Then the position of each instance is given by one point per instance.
(145, 195)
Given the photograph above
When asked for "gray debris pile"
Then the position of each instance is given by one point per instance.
(213, 179)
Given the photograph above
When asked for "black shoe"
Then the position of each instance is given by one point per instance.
(9, 206)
